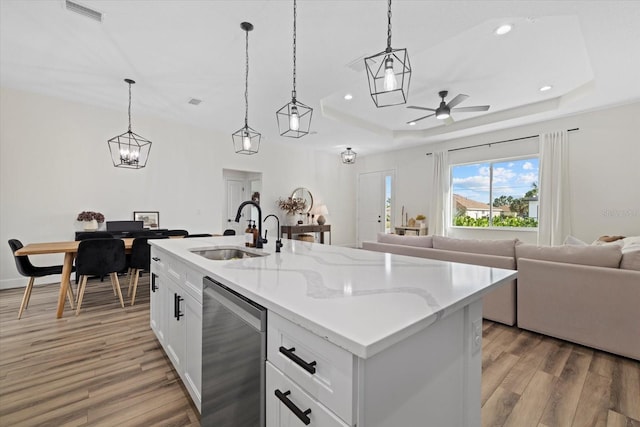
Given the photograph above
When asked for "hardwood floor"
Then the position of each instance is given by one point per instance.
(105, 368)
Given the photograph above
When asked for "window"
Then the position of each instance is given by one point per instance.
(495, 194)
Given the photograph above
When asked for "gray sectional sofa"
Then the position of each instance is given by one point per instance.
(589, 295)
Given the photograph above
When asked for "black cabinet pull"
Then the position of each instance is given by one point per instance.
(302, 415)
(155, 258)
(176, 306)
(307, 366)
(154, 287)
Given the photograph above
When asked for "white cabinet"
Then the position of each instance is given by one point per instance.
(429, 378)
(158, 296)
(176, 317)
(289, 406)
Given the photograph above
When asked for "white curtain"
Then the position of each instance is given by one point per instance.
(439, 211)
(554, 216)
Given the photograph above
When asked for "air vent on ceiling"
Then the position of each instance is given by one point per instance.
(194, 101)
(83, 10)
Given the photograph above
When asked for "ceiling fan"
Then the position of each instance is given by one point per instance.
(443, 112)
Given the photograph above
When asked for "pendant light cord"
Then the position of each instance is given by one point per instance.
(389, 28)
(295, 14)
(129, 107)
(246, 81)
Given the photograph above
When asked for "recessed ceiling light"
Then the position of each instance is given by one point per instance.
(348, 97)
(412, 123)
(545, 88)
(503, 29)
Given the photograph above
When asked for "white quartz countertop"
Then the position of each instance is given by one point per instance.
(361, 300)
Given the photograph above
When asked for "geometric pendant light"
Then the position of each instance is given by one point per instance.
(294, 119)
(245, 139)
(389, 73)
(348, 156)
(129, 150)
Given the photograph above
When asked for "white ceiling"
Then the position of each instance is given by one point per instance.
(182, 49)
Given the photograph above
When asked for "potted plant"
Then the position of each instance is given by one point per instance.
(90, 220)
(421, 220)
(292, 206)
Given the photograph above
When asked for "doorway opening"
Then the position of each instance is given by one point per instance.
(240, 186)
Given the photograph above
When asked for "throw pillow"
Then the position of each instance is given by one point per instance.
(571, 240)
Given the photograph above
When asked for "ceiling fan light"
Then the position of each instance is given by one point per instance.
(442, 114)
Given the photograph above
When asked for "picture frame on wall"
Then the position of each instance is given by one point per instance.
(150, 219)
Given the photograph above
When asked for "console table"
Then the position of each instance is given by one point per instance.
(290, 230)
(419, 231)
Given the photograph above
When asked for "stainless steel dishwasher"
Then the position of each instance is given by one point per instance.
(234, 350)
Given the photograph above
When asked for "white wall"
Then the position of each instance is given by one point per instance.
(54, 163)
(604, 169)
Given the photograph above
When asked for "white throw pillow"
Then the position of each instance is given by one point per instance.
(571, 240)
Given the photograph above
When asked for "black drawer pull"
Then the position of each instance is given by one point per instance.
(154, 287)
(176, 306)
(303, 416)
(307, 366)
(155, 258)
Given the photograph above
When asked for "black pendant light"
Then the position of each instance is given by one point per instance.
(245, 139)
(129, 150)
(389, 73)
(348, 156)
(294, 119)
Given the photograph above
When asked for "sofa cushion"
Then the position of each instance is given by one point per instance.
(476, 246)
(395, 239)
(597, 256)
(630, 259)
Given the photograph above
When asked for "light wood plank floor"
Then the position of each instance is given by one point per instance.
(105, 368)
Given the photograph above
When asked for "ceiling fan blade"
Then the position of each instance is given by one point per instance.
(457, 100)
(449, 120)
(424, 117)
(470, 109)
(414, 107)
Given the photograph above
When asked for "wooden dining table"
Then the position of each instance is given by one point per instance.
(69, 249)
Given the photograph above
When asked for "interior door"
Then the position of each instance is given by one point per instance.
(371, 208)
(235, 196)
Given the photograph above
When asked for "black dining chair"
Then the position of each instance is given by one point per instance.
(198, 235)
(145, 233)
(140, 261)
(172, 233)
(99, 257)
(93, 235)
(29, 270)
(229, 232)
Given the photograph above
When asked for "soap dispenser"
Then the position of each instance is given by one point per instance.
(248, 235)
(256, 234)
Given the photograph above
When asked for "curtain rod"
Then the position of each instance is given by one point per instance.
(500, 142)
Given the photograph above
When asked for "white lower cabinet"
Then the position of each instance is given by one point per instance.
(289, 406)
(176, 318)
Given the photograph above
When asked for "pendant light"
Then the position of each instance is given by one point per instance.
(245, 139)
(129, 150)
(348, 156)
(294, 119)
(389, 73)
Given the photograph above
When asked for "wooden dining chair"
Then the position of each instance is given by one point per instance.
(98, 257)
(140, 261)
(29, 270)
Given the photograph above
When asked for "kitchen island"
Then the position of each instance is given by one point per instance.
(396, 340)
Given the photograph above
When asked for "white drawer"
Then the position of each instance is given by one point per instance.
(280, 415)
(331, 380)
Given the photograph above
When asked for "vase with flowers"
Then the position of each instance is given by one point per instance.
(292, 206)
(90, 220)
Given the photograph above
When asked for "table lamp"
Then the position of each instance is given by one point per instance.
(321, 211)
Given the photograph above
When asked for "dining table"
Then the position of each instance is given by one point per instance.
(70, 250)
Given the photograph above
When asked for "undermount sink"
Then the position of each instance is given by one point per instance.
(226, 253)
